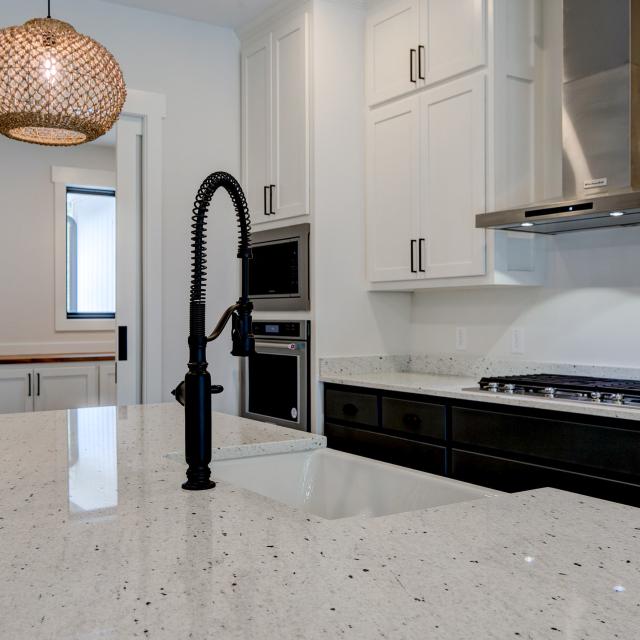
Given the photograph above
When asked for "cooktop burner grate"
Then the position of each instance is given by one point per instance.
(573, 388)
(578, 384)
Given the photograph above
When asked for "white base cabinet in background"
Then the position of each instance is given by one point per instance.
(16, 389)
(66, 387)
(56, 386)
(108, 393)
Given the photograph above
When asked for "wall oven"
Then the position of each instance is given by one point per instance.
(275, 380)
(279, 270)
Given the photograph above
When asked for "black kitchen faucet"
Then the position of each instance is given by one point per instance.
(195, 391)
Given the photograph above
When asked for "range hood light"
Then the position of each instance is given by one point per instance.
(527, 224)
(616, 214)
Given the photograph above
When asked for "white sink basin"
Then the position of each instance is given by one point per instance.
(332, 484)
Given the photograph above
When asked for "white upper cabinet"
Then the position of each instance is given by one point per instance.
(393, 191)
(414, 43)
(256, 124)
(452, 37)
(393, 35)
(275, 121)
(290, 164)
(464, 140)
(453, 189)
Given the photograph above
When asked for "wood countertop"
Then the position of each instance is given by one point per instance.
(52, 358)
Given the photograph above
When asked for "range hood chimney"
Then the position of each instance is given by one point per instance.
(600, 125)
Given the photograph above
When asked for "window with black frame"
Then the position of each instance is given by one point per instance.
(91, 253)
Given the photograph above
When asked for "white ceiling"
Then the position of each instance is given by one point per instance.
(226, 13)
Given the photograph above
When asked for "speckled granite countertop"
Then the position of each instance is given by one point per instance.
(466, 388)
(97, 540)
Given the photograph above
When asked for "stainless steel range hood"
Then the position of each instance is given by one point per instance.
(601, 125)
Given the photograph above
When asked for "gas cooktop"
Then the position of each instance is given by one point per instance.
(573, 388)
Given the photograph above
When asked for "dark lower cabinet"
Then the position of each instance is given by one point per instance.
(603, 448)
(407, 453)
(506, 448)
(511, 476)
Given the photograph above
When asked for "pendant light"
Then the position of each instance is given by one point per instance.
(57, 86)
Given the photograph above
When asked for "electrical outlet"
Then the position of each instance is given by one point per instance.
(517, 340)
(461, 338)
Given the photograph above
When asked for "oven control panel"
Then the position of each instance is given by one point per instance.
(297, 329)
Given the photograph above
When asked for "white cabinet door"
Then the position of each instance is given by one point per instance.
(256, 126)
(452, 37)
(452, 177)
(290, 148)
(69, 387)
(393, 35)
(16, 390)
(107, 393)
(393, 191)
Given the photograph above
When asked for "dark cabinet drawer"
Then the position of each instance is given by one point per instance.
(511, 476)
(604, 448)
(359, 408)
(413, 418)
(416, 455)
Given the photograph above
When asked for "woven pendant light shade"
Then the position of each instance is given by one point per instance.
(57, 87)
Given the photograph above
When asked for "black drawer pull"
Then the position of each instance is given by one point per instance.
(411, 420)
(350, 410)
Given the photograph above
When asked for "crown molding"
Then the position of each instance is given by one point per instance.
(285, 7)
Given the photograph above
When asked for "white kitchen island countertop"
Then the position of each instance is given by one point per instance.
(97, 540)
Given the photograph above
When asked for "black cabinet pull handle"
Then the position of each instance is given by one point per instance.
(411, 420)
(422, 243)
(350, 409)
(412, 58)
(29, 377)
(412, 251)
(421, 51)
(271, 188)
(38, 383)
(266, 213)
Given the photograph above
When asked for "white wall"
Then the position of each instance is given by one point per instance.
(27, 321)
(197, 67)
(349, 319)
(588, 313)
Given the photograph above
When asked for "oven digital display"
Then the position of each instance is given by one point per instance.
(271, 328)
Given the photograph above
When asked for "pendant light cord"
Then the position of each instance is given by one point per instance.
(48, 8)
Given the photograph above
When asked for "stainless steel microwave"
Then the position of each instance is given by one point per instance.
(279, 270)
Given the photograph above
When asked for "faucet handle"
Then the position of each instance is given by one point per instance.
(178, 393)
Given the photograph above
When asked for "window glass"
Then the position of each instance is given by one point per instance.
(91, 253)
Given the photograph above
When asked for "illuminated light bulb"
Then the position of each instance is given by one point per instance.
(616, 214)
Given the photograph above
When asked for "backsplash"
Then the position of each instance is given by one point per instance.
(464, 365)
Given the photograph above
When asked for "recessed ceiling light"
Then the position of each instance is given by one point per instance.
(616, 214)
(527, 224)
